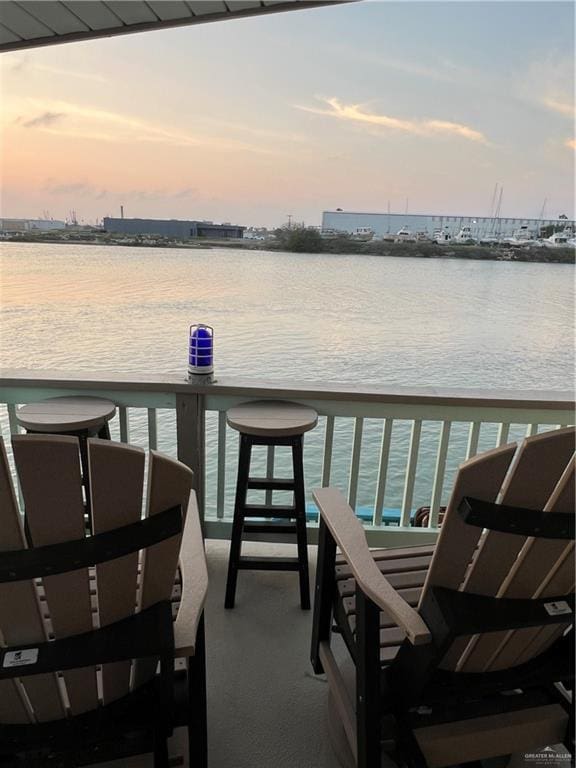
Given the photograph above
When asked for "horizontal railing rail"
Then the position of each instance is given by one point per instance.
(390, 449)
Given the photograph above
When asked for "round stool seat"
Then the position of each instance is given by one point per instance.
(272, 418)
(66, 414)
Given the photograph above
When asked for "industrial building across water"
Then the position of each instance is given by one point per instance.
(30, 225)
(175, 228)
(391, 223)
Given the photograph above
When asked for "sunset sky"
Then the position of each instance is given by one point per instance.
(422, 103)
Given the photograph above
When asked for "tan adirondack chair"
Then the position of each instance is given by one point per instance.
(462, 651)
(86, 621)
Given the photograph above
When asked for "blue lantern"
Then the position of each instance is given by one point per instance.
(201, 349)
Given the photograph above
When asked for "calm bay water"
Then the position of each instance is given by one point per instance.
(293, 317)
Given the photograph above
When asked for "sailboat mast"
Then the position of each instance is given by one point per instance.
(498, 207)
(490, 223)
(543, 208)
(493, 201)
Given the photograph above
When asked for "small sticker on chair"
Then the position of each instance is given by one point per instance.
(20, 658)
(557, 609)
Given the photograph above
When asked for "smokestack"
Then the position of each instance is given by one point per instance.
(121, 211)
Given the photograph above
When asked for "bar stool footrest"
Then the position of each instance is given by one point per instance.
(266, 510)
(269, 564)
(270, 484)
(269, 528)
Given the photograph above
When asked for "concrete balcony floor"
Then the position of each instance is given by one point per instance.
(265, 706)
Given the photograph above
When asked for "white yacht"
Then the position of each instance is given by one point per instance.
(442, 236)
(404, 236)
(489, 240)
(521, 236)
(329, 233)
(363, 233)
(564, 239)
(465, 235)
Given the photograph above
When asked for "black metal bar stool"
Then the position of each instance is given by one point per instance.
(271, 423)
(75, 416)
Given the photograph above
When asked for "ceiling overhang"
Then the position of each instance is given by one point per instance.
(35, 23)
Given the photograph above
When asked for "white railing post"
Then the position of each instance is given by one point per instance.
(411, 472)
(221, 469)
(473, 437)
(327, 457)
(355, 463)
(439, 474)
(503, 432)
(191, 440)
(382, 472)
(14, 426)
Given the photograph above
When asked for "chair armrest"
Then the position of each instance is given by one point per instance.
(349, 536)
(194, 583)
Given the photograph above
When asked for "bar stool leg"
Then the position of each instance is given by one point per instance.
(238, 523)
(301, 537)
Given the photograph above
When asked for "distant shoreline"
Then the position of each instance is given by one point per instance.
(425, 250)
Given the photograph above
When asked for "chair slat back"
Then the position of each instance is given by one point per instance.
(481, 477)
(20, 619)
(116, 483)
(169, 484)
(543, 568)
(502, 564)
(562, 582)
(50, 477)
(539, 464)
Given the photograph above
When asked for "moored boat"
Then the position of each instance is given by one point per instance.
(404, 236)
(465, 236)
(364, 234)
(442, 236)
(563, 239)
(521, 236)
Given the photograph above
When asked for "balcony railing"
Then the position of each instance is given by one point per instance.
(390, 449)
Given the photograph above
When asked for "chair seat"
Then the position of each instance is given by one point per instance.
(466, 738)
(405, 568)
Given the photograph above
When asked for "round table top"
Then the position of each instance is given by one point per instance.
(272, 418)
(66, 414)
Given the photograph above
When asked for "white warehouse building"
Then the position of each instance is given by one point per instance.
(30, 225)
(391, 223)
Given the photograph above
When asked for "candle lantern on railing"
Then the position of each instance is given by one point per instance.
(201, 350)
